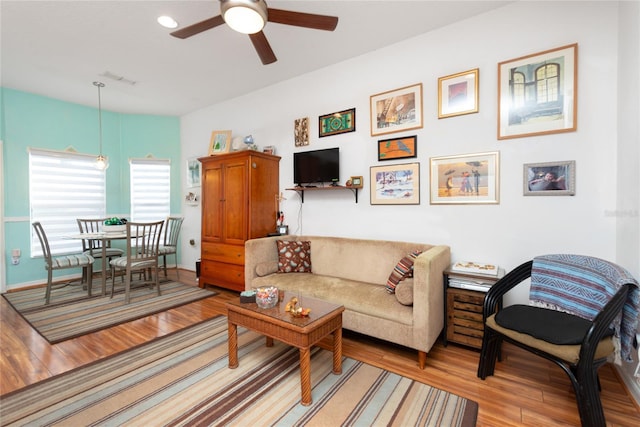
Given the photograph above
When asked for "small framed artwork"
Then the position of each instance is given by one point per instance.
(193, 173)
(269, 149)
(301, 132)
(283, 229)
(356, 181)
(538, 93)
(550, 179)
(336, 123)
(395, 184)
(458, 94)
(396, 110)
(398, 148)
(465, 179)
(220, 142)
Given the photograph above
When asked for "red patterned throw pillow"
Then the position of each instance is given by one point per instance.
(402, 270)
(294, 256)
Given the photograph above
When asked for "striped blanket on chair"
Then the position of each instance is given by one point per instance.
(582, 285)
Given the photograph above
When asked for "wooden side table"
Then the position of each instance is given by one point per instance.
(463, 309)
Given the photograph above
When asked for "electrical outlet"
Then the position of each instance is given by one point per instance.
(15, 261)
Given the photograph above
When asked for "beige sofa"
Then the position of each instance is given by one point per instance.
(353, 272)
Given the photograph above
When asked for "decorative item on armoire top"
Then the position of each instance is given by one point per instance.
(458, 94)
(269, 149)
(396, 110)
(301, 132)
(336, 123)
(553, 76)
(250, 143)
(220, 142)
(465, 179)
(398, 148)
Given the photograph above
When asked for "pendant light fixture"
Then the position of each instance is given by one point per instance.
(102, 162)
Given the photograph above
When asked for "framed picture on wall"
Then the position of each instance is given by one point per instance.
(395, 184)
(550, 179)
(193, 173)
(465, 179)
(336, 123)
(538, 93)
(396, 110)
(398, 148)
(458, 94)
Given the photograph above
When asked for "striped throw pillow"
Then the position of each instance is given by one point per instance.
(402, 270)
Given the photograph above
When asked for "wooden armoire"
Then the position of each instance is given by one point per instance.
(239, 196)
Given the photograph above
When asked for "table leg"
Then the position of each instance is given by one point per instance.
(233, 346)
(337, 351)
(305, 376)
(104, 267)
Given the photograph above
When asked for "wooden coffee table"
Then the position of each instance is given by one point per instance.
(301, 332)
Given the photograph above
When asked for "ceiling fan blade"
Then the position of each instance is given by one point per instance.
(201, 26)
(262, 46)
(300, 19)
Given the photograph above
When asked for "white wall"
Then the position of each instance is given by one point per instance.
(628, 212)
(600, 220)
(506, 234)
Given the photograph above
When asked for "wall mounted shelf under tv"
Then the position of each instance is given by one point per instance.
(301, 190)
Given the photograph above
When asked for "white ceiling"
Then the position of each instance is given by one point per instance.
(58, 48)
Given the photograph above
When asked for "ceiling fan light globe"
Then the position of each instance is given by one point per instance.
(244, 16)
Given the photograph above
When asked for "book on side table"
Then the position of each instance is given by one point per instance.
(474, 276)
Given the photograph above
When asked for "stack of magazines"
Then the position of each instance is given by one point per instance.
(475, 277)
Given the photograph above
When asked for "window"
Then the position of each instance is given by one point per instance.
(518, 89)
(63, 186)
(547, 78)
(150, 189)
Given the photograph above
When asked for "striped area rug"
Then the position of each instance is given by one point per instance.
(183, 379)
(71, 313)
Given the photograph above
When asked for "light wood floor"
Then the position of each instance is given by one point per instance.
(525, 390)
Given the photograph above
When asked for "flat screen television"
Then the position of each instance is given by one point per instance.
(318, 166)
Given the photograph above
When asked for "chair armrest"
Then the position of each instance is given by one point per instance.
(602, 323)
(504, 285)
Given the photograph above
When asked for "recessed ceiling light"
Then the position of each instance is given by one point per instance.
(167, 21)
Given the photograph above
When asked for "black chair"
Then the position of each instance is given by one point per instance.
(52, 263)
(579, 307)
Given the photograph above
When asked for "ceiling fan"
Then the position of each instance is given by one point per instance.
(250, 16)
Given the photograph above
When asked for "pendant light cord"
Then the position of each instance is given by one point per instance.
(99, 85)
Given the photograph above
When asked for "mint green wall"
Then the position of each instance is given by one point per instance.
(35, 121)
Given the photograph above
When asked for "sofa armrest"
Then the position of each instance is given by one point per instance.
(428, 293)
(259, 251)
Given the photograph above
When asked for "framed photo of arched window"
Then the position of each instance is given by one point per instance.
(538, 93)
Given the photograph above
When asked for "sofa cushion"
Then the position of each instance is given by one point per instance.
(404, 292)
(294, 256)
(266, 268)
(359, 297)
(402, 270)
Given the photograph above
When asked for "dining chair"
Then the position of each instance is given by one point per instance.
(93, 247)
(52, 263)
(172, 229)
(141, 255)
(582, 310)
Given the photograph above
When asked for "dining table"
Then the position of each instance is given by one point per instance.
(105, 238)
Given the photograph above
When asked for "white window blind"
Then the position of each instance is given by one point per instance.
(150, 189)
(63, 186)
